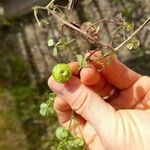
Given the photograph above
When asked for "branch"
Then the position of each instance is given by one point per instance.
(50, 8)
(76, 28)
(132, 35)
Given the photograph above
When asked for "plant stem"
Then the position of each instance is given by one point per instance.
(60, 144)
(68, 146)
(132, 35)
(72, 117)
(66, 23)
(70, 25)
(50, 3)
(114, 35)
(107, 21)
(88, 58)
(78, 124)
(36, 17)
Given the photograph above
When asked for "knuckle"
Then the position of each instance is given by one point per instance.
(80, 102)
(145, 78)
(56, 103)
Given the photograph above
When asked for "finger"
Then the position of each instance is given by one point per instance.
(74, 67)
(116, 73)
(86, 103)
(64, 112)
(90, 76)
(89, 134)
(144, 103)
(131, 97)
(93, 79)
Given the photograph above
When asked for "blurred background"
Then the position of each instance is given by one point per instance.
(26, 62)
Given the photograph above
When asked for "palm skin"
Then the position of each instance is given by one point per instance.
(122, 123)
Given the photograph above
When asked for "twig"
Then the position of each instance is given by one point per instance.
(67, 23)
(70, 25)
(114, 35)
(88, 58)
(132, 35)
(36, 17)
(107, 21)
(50, 3)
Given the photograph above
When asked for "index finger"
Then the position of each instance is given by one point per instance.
(116, 73)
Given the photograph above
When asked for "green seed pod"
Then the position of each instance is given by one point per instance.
(61, 73)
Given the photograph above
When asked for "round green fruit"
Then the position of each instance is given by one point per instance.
(61, 73)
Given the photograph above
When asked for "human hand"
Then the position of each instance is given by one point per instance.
(114, 125)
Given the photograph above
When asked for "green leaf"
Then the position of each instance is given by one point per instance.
(51, 110)
(129, 26)
(76, 142)
(50, 42)
(61, 133)
(79, 141)
(43, 109)
(55, 51)
(133, 44)
(81, 60)
(52, 96)
(47, 107)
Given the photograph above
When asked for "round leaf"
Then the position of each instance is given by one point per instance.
(61, 133)
(50, 42)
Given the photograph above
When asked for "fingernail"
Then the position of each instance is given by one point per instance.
(71, 86)
(55, 87)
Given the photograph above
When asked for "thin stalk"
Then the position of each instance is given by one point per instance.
(132, 35)
(68, 146)
(78, 125)
(114, 35)
(65, 22)
(72, 117)
(107, 21)
(60, 145)
(36, 17)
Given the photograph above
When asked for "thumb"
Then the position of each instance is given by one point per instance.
(86, 103)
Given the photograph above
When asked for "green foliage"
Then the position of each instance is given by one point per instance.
(62, 44)
(44, 109)
(129, 26)
(55, 51)
(127, 12)
(50, 42)
(47, 107)
(133, 44)
(61, 133)
(81, 61)
(68, 141)
(76, 142)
